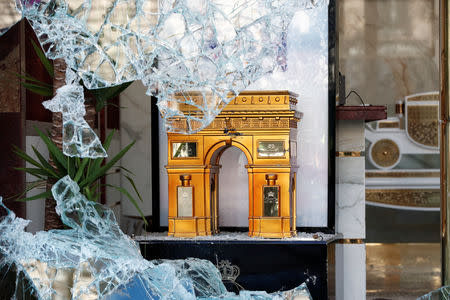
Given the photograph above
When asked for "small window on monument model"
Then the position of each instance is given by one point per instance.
(271, 200)
(185, 201)
(271, 149)
(184, 150)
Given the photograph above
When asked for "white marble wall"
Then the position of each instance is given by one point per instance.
(350, 271)
(113, 197)
(350, 204)
(350, 177)
(135, 126)
(350, 211)
(35, 210)
(389, 48)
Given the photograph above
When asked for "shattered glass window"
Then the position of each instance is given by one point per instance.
(215, 48)
(175, 47)
(79, 262)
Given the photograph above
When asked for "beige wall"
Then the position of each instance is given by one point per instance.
(389, 48)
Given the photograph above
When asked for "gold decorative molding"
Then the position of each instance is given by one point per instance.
(426, 198)
(401, 174)
(385, 153)
(350, 153)
(388, 124)
(351, 241)
(245, 123)
(426, 97)
(422, 124)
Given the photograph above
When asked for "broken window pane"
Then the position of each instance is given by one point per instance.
(216, 48)
(79, 262)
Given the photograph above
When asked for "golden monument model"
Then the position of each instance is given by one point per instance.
(263, 124)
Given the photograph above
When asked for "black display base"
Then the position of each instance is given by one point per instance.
(269, 265)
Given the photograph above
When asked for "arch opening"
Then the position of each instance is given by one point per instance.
(229, 186)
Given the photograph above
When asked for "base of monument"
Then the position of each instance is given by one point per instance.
(255, 263)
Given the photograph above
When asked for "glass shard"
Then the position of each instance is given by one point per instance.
(440, 294)
(79, 262)
(78, 137)
(214, 48)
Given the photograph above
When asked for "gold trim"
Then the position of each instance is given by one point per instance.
(388, 125)
(400, 108)
(427, 97)
(351, 241)
(425, 198)
(401, 174)
(350, 153)
(385, 153)
(423, 124)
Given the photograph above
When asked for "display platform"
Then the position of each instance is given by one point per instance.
(256, 263)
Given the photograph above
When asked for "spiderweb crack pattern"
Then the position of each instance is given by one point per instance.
(81, 263)
(215, 48)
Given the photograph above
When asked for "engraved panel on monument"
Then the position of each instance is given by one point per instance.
(270, 149)
(185, 195)
(184, 150)
(271, 196)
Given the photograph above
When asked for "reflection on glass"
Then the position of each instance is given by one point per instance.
(184, 150)
(271, 200)
(185, 194)
(307, 75)
(402, 164)
(271, 149)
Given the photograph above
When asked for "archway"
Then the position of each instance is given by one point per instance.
(231, 188)
(262, 125)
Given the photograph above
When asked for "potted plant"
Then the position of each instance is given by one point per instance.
(86, 172)
(96, 100)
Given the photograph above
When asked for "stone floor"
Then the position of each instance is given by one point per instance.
(402, 271)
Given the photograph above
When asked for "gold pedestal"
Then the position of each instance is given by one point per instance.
(263, 125)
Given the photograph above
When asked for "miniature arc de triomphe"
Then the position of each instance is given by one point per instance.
(263, 125)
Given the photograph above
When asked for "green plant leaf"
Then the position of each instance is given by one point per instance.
(19, 152)
(28, 77)
(53, 149)
(95, 194)
(40, 173)
(104, 94)
(108, 140)
(29, 187)
(43, 195)
(134, 187)
(133, 201)
(44, 60)
(87, 193)
(98, 161)
(48, 167)
(81, 168)
(61, 169)
(125, 169)
(97, 173)
(95, 165)
(37, 89)
(71, 166)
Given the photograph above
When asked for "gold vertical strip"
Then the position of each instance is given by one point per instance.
(444, 154)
